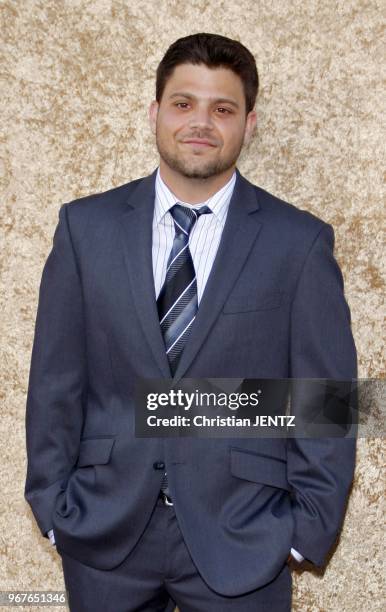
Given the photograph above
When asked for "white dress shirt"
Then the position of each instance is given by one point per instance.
(203, 244)
(204, 238)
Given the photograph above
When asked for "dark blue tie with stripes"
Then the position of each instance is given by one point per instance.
(177, 301)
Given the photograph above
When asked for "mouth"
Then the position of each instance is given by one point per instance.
(199, 143)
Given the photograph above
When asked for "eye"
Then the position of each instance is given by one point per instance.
(223, 111)
(182, 105)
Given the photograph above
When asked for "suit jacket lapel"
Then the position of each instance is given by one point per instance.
(239, 233)
(136, 225)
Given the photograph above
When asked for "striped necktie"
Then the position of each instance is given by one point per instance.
(177, 301)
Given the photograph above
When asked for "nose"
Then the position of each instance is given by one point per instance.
(201, 119)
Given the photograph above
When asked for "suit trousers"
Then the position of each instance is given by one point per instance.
(160, 571)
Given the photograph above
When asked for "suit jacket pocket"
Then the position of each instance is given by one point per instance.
(262, 469)
(251, 302)
(95, 450)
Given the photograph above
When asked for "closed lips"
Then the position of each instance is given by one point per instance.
(199, 142)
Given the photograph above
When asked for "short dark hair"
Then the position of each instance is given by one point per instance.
(214, 51)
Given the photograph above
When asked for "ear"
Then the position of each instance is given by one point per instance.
(250, 126)
(153, 112)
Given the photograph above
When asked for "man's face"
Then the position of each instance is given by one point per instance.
(201, 122)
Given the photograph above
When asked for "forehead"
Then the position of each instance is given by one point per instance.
(204, 82)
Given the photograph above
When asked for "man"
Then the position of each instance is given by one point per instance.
(191, 272)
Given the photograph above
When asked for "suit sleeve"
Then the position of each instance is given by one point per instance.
(320, 470)
(57, 380)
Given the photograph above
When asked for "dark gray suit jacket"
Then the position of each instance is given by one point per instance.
(273, 307)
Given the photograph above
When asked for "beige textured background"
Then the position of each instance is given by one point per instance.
(76, 79)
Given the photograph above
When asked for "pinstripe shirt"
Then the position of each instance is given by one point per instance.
(204, 238)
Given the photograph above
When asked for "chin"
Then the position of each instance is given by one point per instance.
(193, 168)
(194, 171)
(199, 174)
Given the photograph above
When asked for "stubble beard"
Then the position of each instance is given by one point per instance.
(192, 169)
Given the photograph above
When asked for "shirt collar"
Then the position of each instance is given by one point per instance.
(218, 202)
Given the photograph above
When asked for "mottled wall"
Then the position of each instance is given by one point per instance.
(76, 79)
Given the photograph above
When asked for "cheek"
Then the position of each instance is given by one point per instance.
(169, 124)
(232, 136)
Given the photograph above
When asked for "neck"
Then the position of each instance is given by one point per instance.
(193, 190)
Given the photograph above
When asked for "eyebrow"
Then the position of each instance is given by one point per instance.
(183, 94)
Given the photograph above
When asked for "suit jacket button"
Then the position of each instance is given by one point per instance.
(159, 465)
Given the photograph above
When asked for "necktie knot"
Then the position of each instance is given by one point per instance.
(185, 218)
